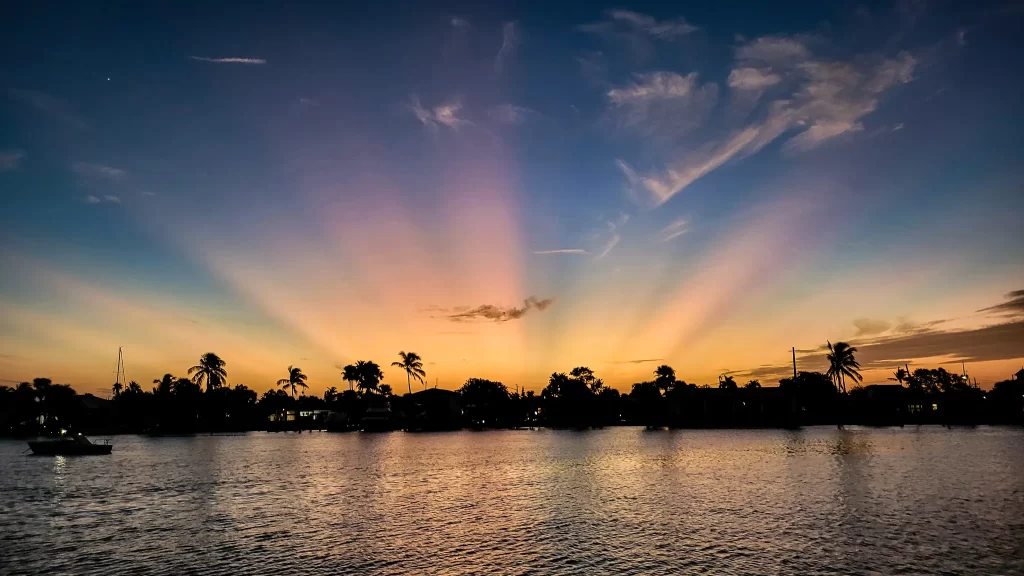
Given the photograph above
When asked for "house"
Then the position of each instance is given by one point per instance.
(434, 409)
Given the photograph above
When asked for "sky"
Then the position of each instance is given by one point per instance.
(509, 189)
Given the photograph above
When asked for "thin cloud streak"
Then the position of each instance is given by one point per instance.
(10, 160)
(230, 60)
(500, 314)
(562, 251)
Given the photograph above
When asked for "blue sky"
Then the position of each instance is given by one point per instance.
(704, 185)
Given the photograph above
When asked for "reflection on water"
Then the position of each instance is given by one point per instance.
(622, 500)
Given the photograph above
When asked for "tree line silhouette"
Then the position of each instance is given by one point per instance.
(203, 401)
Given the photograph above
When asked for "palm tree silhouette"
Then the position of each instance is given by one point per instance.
(728, 383)
(350, 374)
(385, 389)
(117, 387)
(665, 377)
(842, 363)
(295, 380)
(900, 375)
(752, 384)
(369, 375)
(210, 371)
(413, 366)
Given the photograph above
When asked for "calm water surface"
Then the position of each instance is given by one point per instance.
(621, 500)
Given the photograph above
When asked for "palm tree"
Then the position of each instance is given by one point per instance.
(752, 384)
(163, 385)
(295, 380)
(413, 366)
(117, 387)
(727, 383)
(900, 375)
(369, 375)
(842, 363)
(350, 374)
(385, 389)
(330, 394)
(209, 370)
(665, 377)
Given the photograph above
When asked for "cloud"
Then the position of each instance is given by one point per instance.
(500, 314)
(458, 22)
(98, 170)
(1013, 307)
(608, 246)
(753, 78)
(444, 115)
(508, 44)
(674, 230)
(825, 99)
(561, 251)
(869, 327)
(665, 105)
(511, 114)
(641, 361)
(777, 50)
(642, 23)
(49, 105)
(996, 342)
(654, 86)
(231, 60)
(10, 160)
(108, 199)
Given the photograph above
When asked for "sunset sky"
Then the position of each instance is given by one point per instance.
(509, 189)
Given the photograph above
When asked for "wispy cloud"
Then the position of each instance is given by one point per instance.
(107, 199)
(674, 230)
(511, 114)
(664, 105)
(48, 104)
(98, 170)
(753, 78)
(459, 22)
(562, 251)
(494, 313)
(640, 361)
(1013, 307)
(229, 60)
(508, 45)
(443, 115)
(10, 160)
(822, 100)
(648, 25)
(609, 246)
(869, 327)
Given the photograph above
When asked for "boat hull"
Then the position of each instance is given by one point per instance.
(68, 449)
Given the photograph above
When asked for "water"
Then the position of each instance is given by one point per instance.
(621, 500)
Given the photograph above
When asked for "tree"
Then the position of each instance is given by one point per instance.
(210, 370)
(728, 383)
(665, 377)
(752, 384)
(900, 375)
(385, 389)
(586, 377)
(295, 380)
(413, 366)
(330, 394)
(163, 385)
(116, 388)
(842, 363)
(350, 374)
(368, 375)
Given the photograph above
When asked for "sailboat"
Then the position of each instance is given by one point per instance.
(76, 444)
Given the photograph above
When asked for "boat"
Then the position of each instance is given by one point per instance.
(76, 445)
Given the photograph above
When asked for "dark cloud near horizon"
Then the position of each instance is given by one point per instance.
(641, 361)
(910, 342)
(500, 314)
(1013, 307)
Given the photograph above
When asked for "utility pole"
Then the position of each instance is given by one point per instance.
(794, 362)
